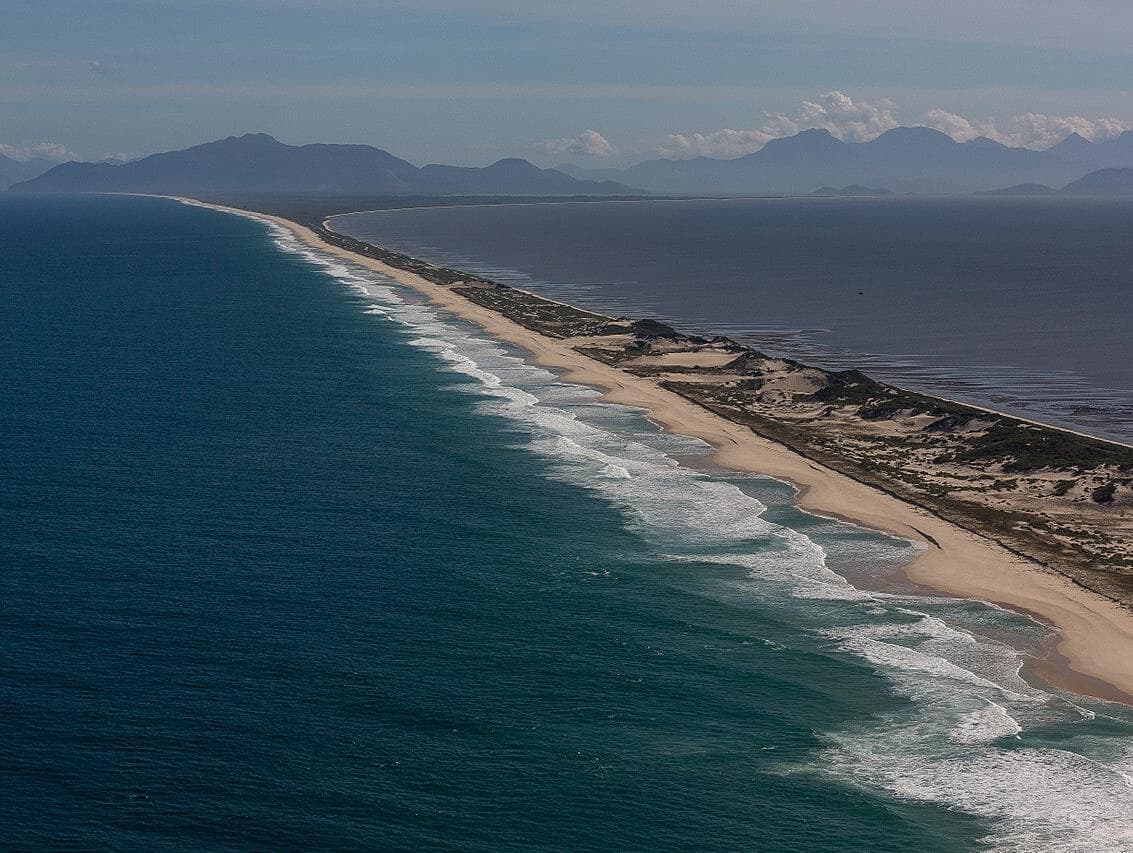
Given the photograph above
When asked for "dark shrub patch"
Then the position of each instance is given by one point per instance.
(1104, 494)
(1063, 486)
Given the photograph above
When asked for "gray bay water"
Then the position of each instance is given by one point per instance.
(1018, 304)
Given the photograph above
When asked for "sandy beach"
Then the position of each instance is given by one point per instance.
(1093, 652)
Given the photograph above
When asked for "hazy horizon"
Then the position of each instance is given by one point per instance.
(53, 155)
(589, 85)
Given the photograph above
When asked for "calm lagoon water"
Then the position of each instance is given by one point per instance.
(1020, 304)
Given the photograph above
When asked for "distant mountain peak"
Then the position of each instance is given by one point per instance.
(903, 159)
(1075, 143)
(814, 133)
(514, 164)
(258, 162)
(813, 139)
(985, 141)
(1103, 182)
(915, 135)
(244, 139)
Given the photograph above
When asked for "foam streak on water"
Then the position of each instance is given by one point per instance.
(972, 735)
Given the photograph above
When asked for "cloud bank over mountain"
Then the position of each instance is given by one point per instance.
(836, 112)
(851, 120)
(901, 159)
(450, 81)
(589, 143)
(1029, 130)
(53, 151)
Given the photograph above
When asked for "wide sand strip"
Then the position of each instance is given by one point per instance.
(1095, 634)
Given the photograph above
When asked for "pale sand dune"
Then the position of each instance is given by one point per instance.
(700, 378)
(704, 358)
(795, 381)
(1095, 634)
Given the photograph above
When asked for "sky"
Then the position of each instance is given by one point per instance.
(591, 83)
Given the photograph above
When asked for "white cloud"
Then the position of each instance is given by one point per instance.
(589, 143)
(953, 124)
(845, 118)
(720, 143)
(45, 150)
(838, 113)
(1028, 130)
(861, 121)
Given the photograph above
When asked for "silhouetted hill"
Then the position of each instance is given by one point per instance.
(259, 163)
(1074, 146)
(1103, 182)
(14, 171)
(1116, 153)
(904, 159)
(851, 190)
(513, 177)
(1023, 189)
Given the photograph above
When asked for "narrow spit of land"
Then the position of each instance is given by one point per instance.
(1016, 513)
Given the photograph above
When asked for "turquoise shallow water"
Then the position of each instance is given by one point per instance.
(289, 559)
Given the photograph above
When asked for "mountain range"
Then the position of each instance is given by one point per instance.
(904, 159)
(257, 162)
(901, 160)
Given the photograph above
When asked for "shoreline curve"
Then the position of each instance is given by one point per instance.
(1092, 652)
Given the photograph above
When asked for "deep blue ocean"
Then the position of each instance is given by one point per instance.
(290, 560)
(1022, 304)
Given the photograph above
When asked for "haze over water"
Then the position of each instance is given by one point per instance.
(1019, 304)
(293, 560)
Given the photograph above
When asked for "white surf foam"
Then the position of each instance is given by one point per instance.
(1037, 798)
(985, 724)
(962, 739)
